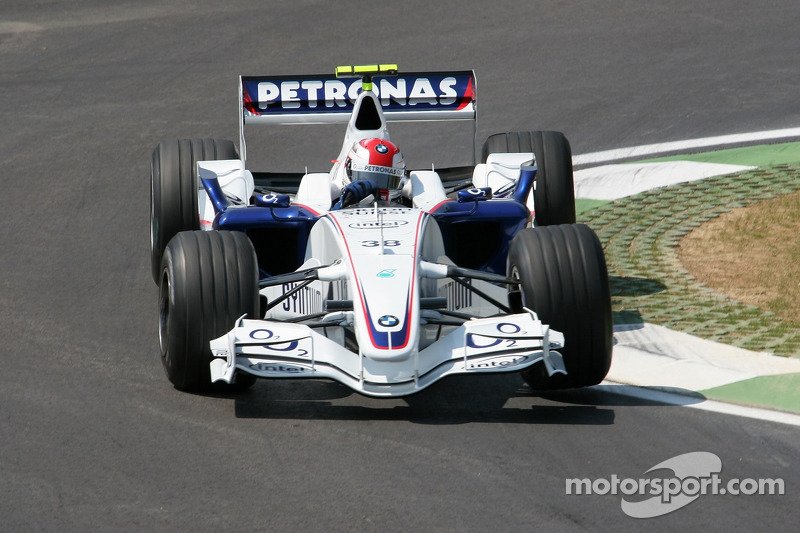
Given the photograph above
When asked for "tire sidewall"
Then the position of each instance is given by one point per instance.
(173, 327)
(209, 280)
(563, 279)
(554, 189)
(554, 195)
(174, 186)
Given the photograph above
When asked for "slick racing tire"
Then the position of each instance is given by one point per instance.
(208, 280)
(554, 185)
(563, 278)
(173, 189)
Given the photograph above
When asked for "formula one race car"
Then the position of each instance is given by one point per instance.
(380, 278)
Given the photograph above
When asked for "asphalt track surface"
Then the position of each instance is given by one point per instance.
(92, 437)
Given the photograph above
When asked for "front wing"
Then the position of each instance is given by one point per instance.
(270, 349)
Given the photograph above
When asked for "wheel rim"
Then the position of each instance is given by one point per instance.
(163, 313)
(515, 291)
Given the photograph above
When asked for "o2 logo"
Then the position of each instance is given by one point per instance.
(505, 328)
(287, 346)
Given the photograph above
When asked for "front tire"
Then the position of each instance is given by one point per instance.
(563, 278)
(173, 189)
(554, 185)
(208, 280)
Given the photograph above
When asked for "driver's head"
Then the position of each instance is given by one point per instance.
(377, 160)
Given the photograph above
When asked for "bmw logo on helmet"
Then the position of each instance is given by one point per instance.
(388, 321)
(381, 148)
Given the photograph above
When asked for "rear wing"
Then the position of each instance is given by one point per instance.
(328, 99)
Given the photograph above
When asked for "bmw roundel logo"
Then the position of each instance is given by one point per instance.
(388, 321)
(381, 148)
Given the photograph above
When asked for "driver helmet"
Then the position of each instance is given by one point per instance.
(378, 160)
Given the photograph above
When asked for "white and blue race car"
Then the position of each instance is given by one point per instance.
(473, 270)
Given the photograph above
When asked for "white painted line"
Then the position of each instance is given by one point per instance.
(677, 146)
(610, 182)
(653, 355)
(686, 400)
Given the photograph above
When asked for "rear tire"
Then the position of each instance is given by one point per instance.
(563, 278)
(173, 189)
(208, 280)
(554, 185)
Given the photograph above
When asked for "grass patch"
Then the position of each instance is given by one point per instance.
(779, 392)
(583, 205)
(766, 155)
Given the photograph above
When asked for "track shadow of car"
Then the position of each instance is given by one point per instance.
(615, 394)
(623, 290)
(634, 286)
(501, 398)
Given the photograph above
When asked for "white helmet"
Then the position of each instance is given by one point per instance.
(377, 160)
